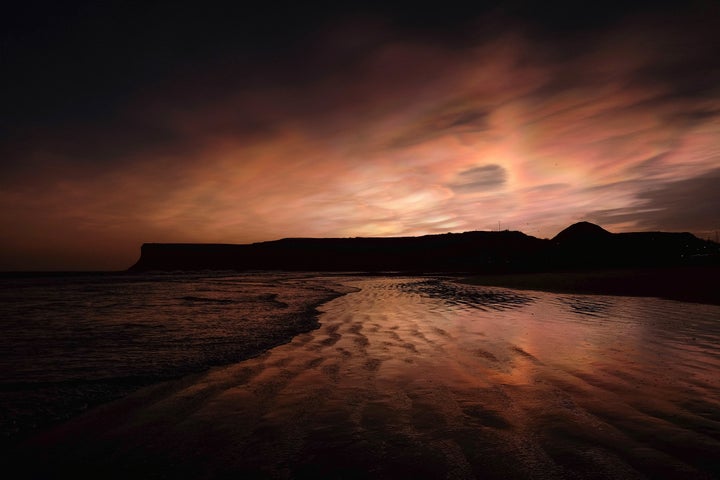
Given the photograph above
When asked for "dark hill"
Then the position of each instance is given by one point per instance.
(583, 245)
(470, 251)
(586, 245)
(582, 232)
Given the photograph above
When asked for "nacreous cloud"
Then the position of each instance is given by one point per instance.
(479, 179)
(409, 136)
(690, 204)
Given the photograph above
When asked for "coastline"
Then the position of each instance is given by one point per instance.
(431, 379)
(696, 284)
(33, 407)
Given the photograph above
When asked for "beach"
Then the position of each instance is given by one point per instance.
(685, 283)
(423, 377)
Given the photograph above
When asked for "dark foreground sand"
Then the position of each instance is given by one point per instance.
(429, 380)
(699, 284)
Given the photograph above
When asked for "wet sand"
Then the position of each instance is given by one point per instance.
(687, 283)
(422, 378)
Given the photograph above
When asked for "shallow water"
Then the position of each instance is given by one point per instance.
(70, 341)
(423, 377)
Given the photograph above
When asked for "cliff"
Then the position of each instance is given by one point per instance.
(447, 252)
(579, 246)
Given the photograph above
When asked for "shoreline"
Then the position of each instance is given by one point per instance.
(86, 396)
(695, 284)
(407, 377)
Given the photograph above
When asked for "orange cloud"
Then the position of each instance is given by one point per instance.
(409, 138)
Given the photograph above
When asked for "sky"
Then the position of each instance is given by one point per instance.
(132, 122)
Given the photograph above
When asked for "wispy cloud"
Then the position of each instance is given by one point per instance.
(410, 136)
(479, 179)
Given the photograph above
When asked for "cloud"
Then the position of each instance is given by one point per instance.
(442, 121)
(685, 205)
(480, 179)
(384, 131)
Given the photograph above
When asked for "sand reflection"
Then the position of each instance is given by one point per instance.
(426, 378)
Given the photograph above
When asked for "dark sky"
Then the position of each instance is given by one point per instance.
(128, 122)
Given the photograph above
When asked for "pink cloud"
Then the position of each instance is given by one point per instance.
(379, 147)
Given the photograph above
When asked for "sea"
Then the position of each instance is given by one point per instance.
(70, 341)
(387, 372)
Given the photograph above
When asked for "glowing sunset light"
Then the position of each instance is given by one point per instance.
(377, 129)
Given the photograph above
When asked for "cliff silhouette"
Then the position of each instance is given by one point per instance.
(582, 245)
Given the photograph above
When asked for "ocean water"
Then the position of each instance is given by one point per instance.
(419, 377)
(70, 341)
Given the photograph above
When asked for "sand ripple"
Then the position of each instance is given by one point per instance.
(422, 378)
